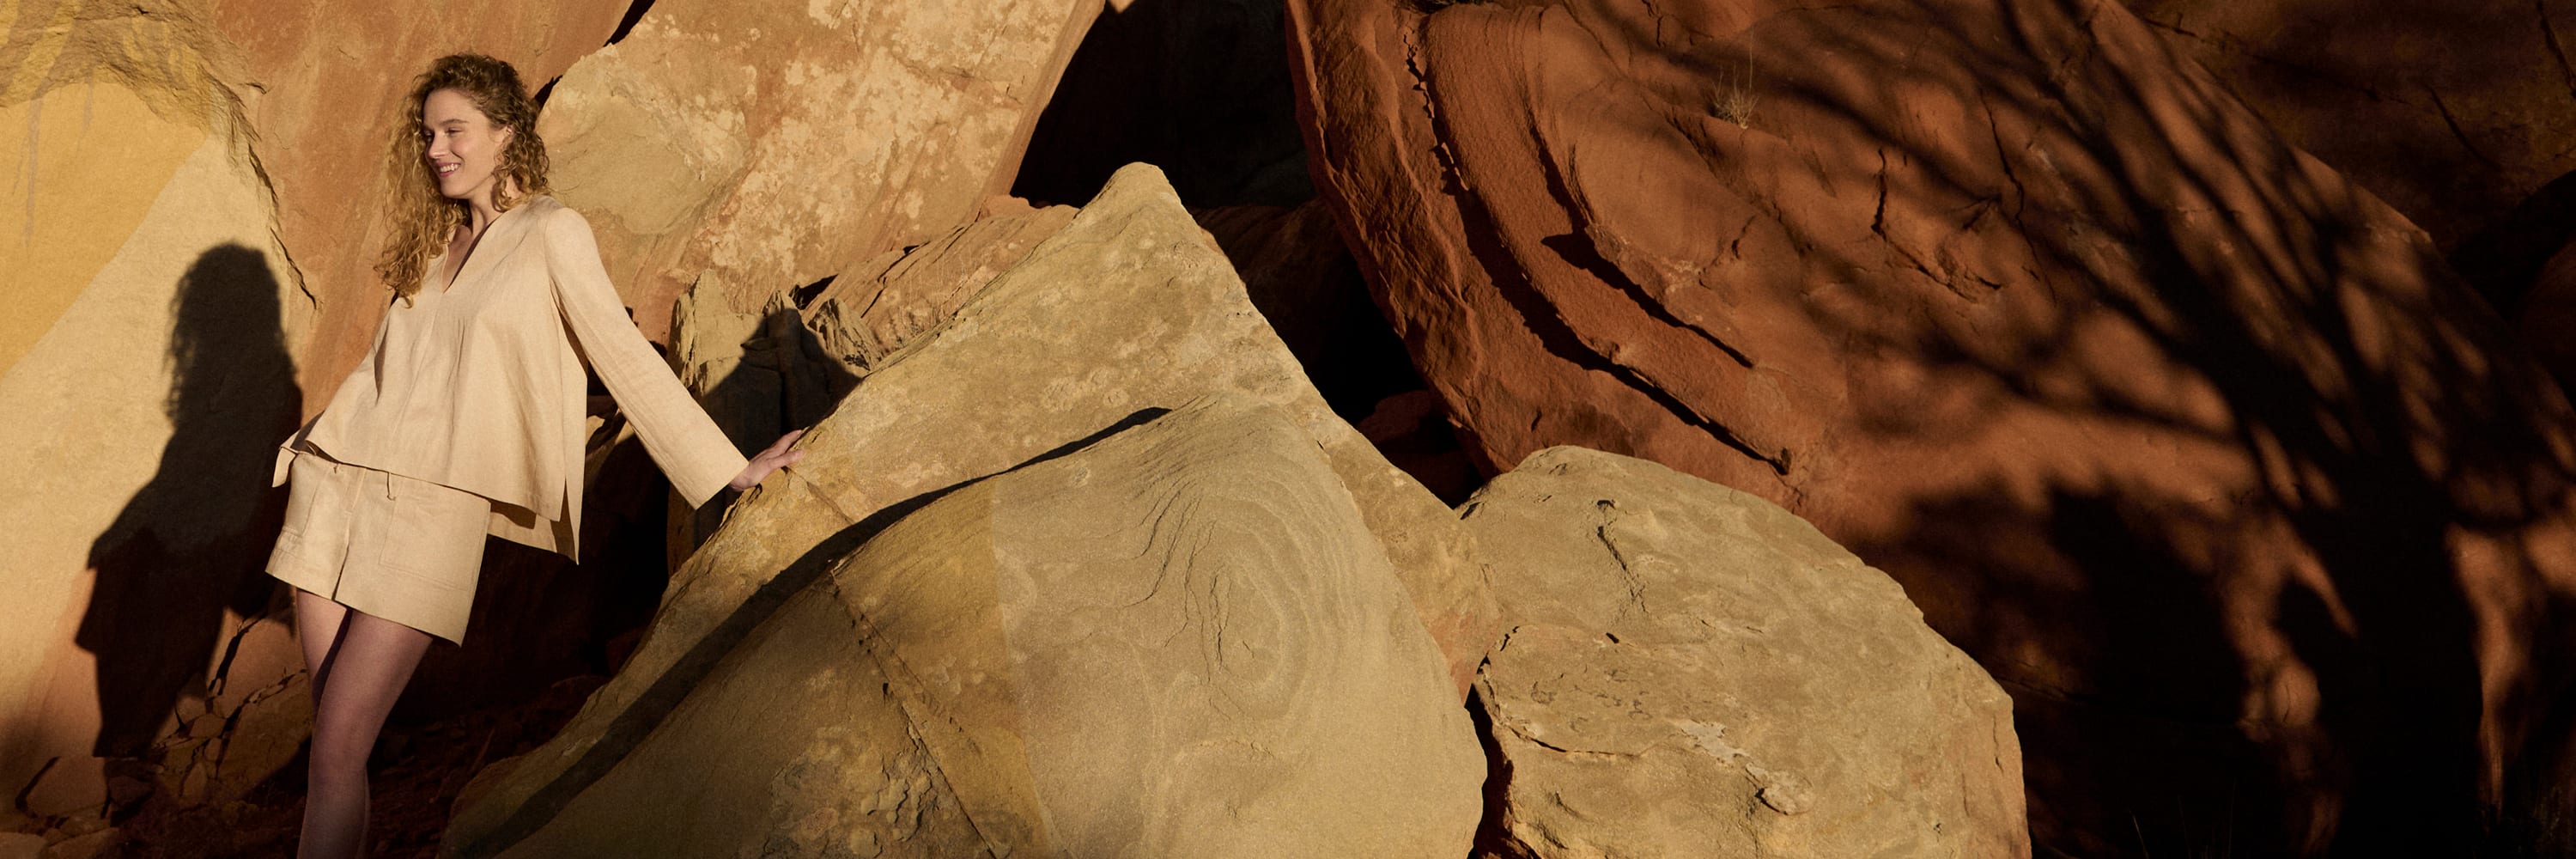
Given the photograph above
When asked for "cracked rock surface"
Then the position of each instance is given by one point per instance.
(1692, 671)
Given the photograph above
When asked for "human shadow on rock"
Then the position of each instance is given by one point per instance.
(192, 543)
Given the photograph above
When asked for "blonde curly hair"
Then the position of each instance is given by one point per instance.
(421, 218)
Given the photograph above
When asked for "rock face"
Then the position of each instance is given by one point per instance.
(1127, 310)
(2547, 317)
(766, 145)
(1304, 281)
(2193, 444)
(2476, 144)
(145, 365)
(2455, 138)
(1179, 641)
(1692, 671)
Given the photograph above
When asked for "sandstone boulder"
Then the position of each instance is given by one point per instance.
(1127, 310)
(1179, 641)
(1692, 671)
(2195, 445)
(1303, 279)
(769, 144)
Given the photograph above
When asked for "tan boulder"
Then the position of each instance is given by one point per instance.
(768, 144)
(146, 368)
(1693, 671)
(1179, 641)
(1127, 310)
(2195, 445)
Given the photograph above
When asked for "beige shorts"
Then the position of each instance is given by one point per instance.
(401, 549)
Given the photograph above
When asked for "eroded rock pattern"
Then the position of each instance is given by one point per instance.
(1179, 641)
(1692, 671)
(2192, 443)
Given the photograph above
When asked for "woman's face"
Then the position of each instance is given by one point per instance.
(464, 150)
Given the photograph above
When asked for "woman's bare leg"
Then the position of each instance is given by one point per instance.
(362, 673)
(318, 624)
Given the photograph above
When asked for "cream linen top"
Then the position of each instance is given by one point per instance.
(481, 388)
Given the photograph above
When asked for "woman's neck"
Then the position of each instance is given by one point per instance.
(480, 208)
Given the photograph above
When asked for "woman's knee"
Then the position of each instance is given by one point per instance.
(334, 756)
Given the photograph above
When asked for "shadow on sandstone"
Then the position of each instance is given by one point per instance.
(190, 546)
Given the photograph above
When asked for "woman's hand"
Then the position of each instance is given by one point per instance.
(776, 456)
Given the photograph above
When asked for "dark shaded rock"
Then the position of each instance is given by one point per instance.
(2197, 447)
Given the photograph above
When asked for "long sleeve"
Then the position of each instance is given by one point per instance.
(688, 446)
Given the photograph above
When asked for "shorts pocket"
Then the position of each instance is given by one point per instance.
(436, 533)
(314, 505)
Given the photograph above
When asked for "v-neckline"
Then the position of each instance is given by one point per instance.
(449, 283)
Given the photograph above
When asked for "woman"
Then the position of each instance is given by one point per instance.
(465, 419)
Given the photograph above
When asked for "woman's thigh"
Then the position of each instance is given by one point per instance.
(369, 666)
(318, 622)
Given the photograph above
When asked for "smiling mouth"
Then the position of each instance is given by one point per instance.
(445, 169)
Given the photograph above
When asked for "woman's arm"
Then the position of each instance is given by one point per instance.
(696, 455)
